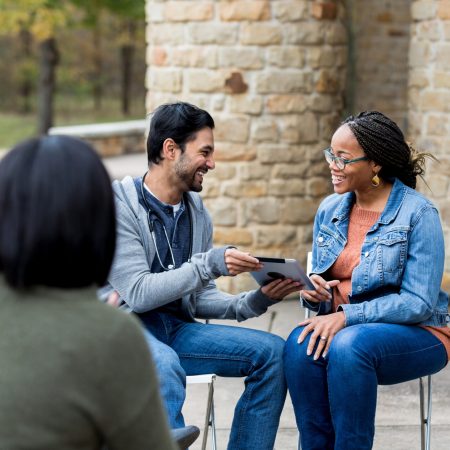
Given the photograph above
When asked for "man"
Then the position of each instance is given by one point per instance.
(164, 271)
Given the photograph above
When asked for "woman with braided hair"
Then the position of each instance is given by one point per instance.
(378, 258)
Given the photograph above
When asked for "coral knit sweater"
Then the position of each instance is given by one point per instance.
(360, 222)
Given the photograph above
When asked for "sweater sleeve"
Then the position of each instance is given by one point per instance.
(133, 415)
(143, 290)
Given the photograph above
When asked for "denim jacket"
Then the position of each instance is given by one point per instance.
(401, 263)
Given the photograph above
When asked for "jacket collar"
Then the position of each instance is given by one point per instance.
(390, 211)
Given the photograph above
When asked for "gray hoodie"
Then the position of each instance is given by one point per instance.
(193, 282)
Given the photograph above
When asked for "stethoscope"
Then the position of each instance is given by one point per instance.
(152, 216)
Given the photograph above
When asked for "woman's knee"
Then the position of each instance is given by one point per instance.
(294, 355)
(349, 345)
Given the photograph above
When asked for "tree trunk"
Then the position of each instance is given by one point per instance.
(26, 83)
(98, 67)
(127, 54)
(48, 60)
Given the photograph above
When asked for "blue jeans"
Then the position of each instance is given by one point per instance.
(182, 348)
(335, 397)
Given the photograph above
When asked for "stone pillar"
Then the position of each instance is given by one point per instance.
(272, 74)
(378, 66)
(429, 101)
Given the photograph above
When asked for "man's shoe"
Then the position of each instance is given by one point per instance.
(185, 436)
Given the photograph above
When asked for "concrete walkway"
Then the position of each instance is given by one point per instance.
(397, 423)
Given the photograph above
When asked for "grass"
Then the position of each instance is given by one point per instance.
(15, 127)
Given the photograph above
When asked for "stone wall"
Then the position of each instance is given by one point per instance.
(272, 74)
(378, 63)
(429, 100)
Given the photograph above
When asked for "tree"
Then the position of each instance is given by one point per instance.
(42, 19)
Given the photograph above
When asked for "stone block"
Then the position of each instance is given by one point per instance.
(320, 57)
(298, 211)
(223, 211)
(264, 129)
(283, 188)
(329, 123)
(435, 101)
(192, 11)
(419, 54)
(211, 189)
(154, 12)
(199, 80)
(324, 103)
(226, 151)
(286, 103)
(241, 57)
(272, 154)
(194, 56)
(283, 82)
(218, 102)
(235, 84)
(232, 236)
(443, 56)
(165, 80)
(309, 129)
(246, 104)
(336, 33)
(441, 80)
(327, 82)
(428, 30)
(291, 171)
(213, 33)
(438, 125)
(164, 34)
(419, 78)
(290, 11)
(423, 10)
(253, 171)
(446, 30)
(260, 34)
(261, 211)
(304, 33)
(324, 10)
(290, 129)
(286, 56)
(238, 10)
(274, 236)
(223, 172)
(248, 189)
(318, 187)
(156, 56)
(444, 10)
(234, 128)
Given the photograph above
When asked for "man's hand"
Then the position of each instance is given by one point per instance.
(113, 299)
(322, 292)
(238, 262)
(322, 328)
(278, 289)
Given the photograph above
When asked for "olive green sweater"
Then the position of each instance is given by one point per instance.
(75, 374)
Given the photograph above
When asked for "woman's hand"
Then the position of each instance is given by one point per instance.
(238, 262)
(278, 289)
(322, 292)
(323, 328)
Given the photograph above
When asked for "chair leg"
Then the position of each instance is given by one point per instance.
(428, 425)
(209, 417)
(213, 427)
(425, 420)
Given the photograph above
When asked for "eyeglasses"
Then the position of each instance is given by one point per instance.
(340, 162)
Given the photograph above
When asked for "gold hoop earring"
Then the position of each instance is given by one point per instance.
(375, 180)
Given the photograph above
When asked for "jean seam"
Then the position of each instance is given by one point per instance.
(413, 351)
(214, 356)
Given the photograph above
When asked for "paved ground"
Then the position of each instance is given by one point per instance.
(397, 423)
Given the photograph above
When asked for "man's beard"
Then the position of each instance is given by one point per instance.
(187, 177)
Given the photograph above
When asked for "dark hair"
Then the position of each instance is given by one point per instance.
(383, 142)
(57, 223)
(179, 121)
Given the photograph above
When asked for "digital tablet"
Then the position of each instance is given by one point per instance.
(276, 268)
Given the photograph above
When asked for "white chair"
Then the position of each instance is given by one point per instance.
(210, 423)
(425, 419)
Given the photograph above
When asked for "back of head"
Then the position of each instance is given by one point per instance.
(57, 226)
(383, 142)
(178, 121)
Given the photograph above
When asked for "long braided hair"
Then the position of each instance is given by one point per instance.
(383, 142)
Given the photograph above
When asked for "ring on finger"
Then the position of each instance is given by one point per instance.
(323, 338)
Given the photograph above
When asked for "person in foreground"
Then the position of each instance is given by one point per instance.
(378, 258)
(75, 373)
(164, 271)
